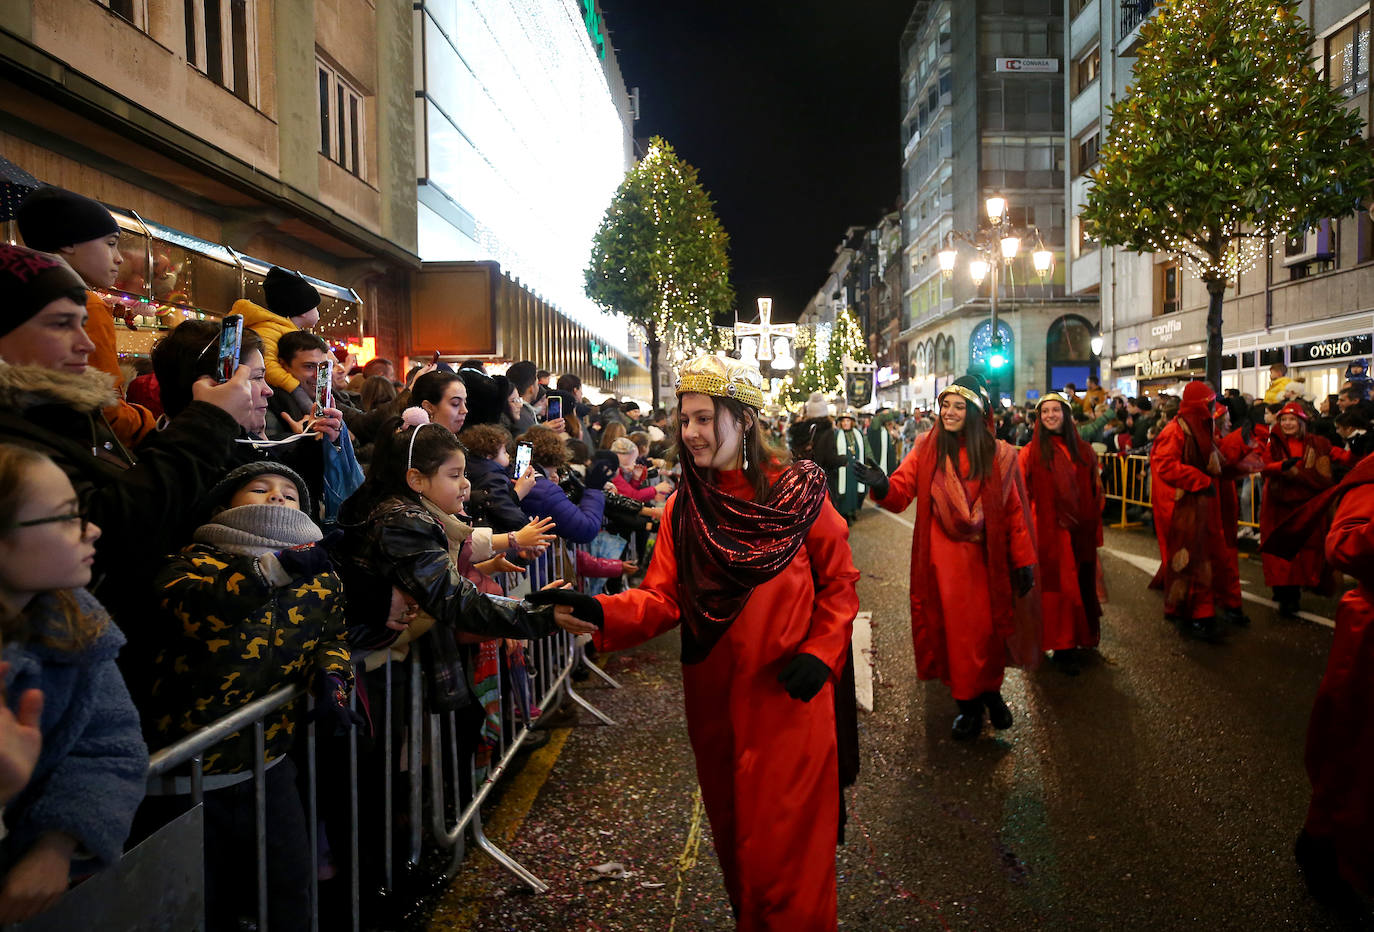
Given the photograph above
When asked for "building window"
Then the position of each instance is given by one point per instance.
(1087, 69)
(134, 12)
(341, 119)
(1347, 57)
(1076, 7)
(1087, 151)
(1168, 289)
(220, 43)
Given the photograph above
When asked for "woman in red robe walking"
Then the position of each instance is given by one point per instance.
(1297, 465)
(1066, 498)
(753, 562)
(1335, 850)
(973, 606)
(1184, 459)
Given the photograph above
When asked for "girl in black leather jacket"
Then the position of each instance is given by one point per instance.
(399, 531)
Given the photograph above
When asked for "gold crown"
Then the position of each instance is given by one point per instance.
(968, 394)
(1052, 396)
(723, 378)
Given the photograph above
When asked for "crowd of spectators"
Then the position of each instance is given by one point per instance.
(163, 565)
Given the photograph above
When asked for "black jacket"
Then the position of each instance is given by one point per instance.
(145, 505)
(402, 545)
(493, 501)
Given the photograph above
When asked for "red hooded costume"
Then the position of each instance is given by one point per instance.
(1185, 462)
(752, 585)
(1340, 736)
(1295, 469)
(1066, 501)
(967, 624)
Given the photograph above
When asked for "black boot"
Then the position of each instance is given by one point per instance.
(1321, 871)
(1202, 629)
(998, 713)
(1066, 662)
(1235, 616)
(1289, 598)
(969, 722)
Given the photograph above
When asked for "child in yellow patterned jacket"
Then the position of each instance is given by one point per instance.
(251, 606)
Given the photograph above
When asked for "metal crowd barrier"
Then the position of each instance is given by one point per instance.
(430, 741)
(1126, 481)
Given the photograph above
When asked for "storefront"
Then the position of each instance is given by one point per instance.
(1318, 353)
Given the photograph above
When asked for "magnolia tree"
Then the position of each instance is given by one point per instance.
(1227, 139)
(660, 258)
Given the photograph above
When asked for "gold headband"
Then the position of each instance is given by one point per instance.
(1052, 396)
(723, 378)
(968, 394)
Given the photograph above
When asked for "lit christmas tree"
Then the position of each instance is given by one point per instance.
(661, 258)
(846, 340)
(1227, 138)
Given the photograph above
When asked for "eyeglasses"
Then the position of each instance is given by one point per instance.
(74, 516)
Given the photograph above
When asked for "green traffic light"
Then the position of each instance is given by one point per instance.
(997, 360)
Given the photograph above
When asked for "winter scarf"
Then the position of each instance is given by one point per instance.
(252, 530)
(456, 531)
(726, 546)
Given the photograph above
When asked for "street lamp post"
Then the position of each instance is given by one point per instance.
(995, 246)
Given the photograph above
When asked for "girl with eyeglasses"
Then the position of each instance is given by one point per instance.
(72, 815)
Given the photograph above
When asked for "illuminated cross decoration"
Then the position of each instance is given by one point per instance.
(765, 331)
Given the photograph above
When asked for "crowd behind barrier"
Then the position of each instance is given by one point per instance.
(432, 790)
(1126, 482)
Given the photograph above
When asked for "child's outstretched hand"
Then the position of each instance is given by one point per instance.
(628, 568)
(497, 564)
(536, 535)
(402, 612)
(20, 740)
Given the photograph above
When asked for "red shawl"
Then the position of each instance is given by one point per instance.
(1313, 519)
(942, 496)
(727, 546)
(1071, 499)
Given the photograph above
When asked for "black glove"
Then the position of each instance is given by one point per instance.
(571, 485)
(599, 473)
(1288, 463)
(804, 676)
(584, 607)
(873, 477)
(304, 562)
(331, 706)
(1023, 580)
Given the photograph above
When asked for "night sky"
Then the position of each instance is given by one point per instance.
(789, 111)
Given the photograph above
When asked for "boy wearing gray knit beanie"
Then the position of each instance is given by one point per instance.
(252, 605)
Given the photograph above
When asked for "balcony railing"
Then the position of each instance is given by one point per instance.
(1133, 13)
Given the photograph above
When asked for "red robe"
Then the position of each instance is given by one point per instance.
(1340, 737)
(957, 636)
(1070, 602)
(1286, 491)
(767, 763)
(1193, 540)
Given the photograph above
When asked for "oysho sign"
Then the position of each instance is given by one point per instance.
(603, 359)
(1041, 65)
(1339, 348)
(1165, 332)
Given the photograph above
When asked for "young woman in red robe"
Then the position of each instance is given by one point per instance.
(1066, 498)
(1297, 465)
(753, 563)
(1185, 461)
(1335, 849)
(973, 606)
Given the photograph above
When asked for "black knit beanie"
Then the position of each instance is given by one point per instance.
(288, 293)
(30, 281)
(50, 218)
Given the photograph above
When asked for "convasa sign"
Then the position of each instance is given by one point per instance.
(1042, 65)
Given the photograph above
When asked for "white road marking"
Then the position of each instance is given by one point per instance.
(862, 642)
(1151, 565)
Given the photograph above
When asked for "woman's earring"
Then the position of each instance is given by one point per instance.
(746, 449)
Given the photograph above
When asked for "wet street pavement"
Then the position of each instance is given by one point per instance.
(1160, 789)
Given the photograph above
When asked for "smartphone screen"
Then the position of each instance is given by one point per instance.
(324, 387)
(555, 408)
(435, 360)
(230, 342)
(523, 452)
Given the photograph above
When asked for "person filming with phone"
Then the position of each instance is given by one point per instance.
(53, 402)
